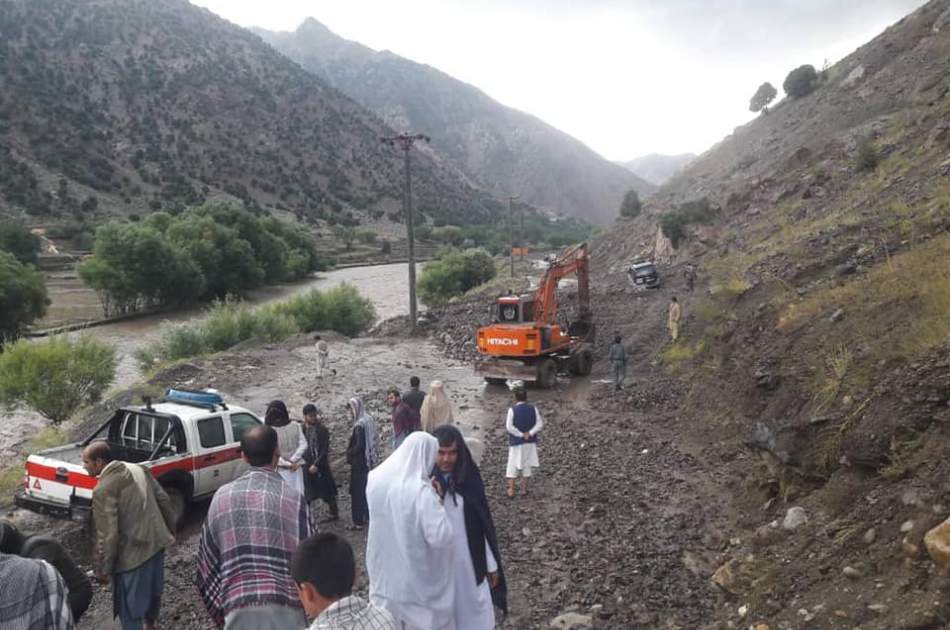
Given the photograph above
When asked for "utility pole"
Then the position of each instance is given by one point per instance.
(511, 232)
(405, 141)
(521, 241)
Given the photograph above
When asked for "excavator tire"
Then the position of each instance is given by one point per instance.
(581, 363)
(547, 374)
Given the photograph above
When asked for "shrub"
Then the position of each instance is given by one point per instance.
(762, 97)
(365, 236)
(19, 241)
(22, 296)
(455, 273)
(867, 157)
(631, 206)
(423, 232)
(57, 377)
(230, 322)
(341, 308)
(801, 81)
(674, 223)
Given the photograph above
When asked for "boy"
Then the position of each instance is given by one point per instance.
(324, 569)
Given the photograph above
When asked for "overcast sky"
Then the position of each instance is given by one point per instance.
(627, 77)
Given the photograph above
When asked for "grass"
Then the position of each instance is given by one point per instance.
(837, 364)
(901, 308)
(828, 445)
(683, 351)
(901, 450)
(11, 476)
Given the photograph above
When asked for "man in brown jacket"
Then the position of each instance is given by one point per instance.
(134, 523)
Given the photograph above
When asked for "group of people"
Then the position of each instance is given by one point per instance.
(432, 556)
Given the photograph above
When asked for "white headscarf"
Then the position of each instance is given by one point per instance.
(409, 547)
(436, 409)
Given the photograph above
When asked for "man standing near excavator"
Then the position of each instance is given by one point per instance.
(674, 319)
(618, 361)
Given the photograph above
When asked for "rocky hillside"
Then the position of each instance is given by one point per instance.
(130, 105)
(498, 148)
(816, 346)
(656, 168)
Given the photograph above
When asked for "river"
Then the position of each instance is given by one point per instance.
(385, 285)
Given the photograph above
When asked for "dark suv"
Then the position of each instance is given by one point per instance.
(644, 275)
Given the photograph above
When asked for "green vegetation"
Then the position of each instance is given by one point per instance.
(539, 232)
(56, 377)
(19, 241)
(630, 206)
(674, 223)
(11, 475)
(454, 273)
(909, 288)
(762, 97)
(230, 322)
(867, 157)
(801, 81)
(22, 296)
(205, 252)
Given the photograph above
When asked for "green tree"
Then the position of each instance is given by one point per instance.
(133, 267)
(630, 206)
(345, 234)
(226, 261)
(762, 97)
(22, 296)
(455, 273)
(19, 241)
(801, 81)
(57, 377)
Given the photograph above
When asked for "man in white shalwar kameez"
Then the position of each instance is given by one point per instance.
(523, 424)
(479, 582)
(409, 552)
(292, 444)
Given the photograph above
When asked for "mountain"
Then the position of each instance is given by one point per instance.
(656, 168)
(814, 364)
(497, 148)
(119, 106)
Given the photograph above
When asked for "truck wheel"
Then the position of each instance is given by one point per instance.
(547, 374)
(178, 501)
(491, 380)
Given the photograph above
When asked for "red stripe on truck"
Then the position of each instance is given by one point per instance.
(75, 479)
(82, 480)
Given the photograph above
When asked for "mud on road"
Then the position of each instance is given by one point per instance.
(616, 525)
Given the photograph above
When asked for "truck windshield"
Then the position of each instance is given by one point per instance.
(645, 271)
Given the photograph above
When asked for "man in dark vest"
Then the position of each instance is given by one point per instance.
(523, 424)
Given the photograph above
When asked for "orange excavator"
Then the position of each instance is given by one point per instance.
(525, 341)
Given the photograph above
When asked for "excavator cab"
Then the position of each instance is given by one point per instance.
(513, 309)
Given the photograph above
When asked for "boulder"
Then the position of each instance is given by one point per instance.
(937, 541)
(795, 517)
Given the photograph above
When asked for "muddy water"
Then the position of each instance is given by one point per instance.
(385, 285)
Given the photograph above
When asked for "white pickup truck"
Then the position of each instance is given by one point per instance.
(190, 442)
